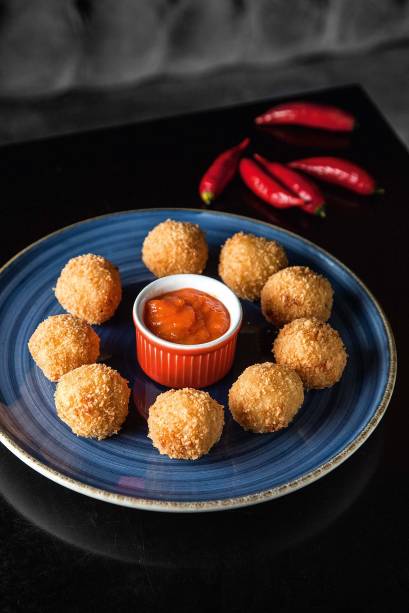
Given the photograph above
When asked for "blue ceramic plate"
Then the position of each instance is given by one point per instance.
(243, 468)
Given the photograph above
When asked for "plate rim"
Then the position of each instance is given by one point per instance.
(236, 501)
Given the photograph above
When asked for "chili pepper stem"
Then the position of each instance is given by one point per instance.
(207, 197)
(321, 212)
(379, 190)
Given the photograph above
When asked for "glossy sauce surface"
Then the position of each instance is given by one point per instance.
(186, 316)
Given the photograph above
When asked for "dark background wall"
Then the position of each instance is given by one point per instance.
(155, 57)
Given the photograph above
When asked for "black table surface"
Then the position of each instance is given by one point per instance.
(338, 544)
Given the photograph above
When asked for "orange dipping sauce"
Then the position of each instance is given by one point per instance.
(186, 316)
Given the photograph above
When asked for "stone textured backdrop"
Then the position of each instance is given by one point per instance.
(48, 46)
(69, 65)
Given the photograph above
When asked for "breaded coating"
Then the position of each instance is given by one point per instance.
(93, 400)
(184, 424)
(175, 247)
(266, 397)
(89, 287)
(296, 292)
(314, 350)
(61, 343)
(247, 261)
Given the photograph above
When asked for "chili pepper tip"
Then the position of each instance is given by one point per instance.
(207, 197)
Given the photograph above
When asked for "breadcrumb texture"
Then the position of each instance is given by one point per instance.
(89, 287)
(313, 349)
(296, 292)
(266, 397)
(184, 424)
(175, 247)
(61, 343)
(93, 400)
(247, 261)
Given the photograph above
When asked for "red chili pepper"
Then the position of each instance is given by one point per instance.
(306, 190)
(309, 114)
(221, 172)
(265, 187)
(338, 171)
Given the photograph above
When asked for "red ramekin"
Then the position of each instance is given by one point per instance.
(176, 365)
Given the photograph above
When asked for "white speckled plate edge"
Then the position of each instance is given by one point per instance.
(228, 503)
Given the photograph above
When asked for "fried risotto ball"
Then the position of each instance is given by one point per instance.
(89, 287)
(247, 261)
(296, 292)
(266, 397)
(93, 400)
(185, 423)
(175, 247)
(61, 343)
(313, 349)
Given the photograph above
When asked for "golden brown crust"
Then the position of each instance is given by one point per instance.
(313, 349)
(61, 343)
(296, 292)
(266, 397)
(247, 261)
(89, 287)
(93, 400)
(175, 247)
(185, 423)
